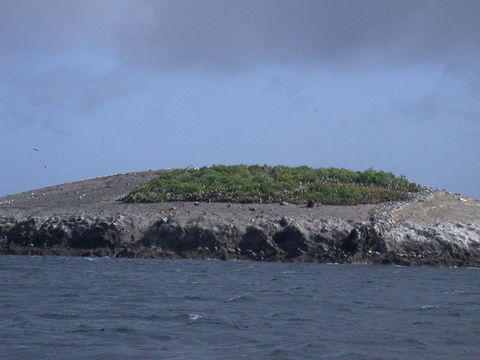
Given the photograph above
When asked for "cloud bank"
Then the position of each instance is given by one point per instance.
(228, 35)
(138, 37)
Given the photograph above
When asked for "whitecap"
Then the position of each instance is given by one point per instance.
(428, 307)
(194, 317)
(236, 297)
(454, 292)
(334, 354)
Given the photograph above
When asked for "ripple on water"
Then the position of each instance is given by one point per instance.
(177, 309)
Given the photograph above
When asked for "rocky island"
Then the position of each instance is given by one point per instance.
(121, 216)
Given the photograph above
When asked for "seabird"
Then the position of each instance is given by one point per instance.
(35, 149)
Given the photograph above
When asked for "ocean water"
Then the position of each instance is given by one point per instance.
(101, 308)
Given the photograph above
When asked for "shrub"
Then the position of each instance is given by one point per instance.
(270, 184)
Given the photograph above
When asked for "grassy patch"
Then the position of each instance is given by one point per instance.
(273, 184)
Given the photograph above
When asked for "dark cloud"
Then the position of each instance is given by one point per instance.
(30, 27)
(426, 108)
(229, 35)
(217, 36)
(433, 107)
(50, 97)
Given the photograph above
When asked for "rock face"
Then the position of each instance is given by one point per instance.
(86, 218)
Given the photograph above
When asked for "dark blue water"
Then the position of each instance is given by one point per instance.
(100, 308)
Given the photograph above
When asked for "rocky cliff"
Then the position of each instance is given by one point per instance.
(86, 218)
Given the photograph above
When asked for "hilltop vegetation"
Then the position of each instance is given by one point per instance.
(274, 184)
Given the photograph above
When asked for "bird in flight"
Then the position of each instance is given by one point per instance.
(36, 149)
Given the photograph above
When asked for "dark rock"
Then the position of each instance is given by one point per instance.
(350, 244)
(180, 239)
(255, 240)
(292, 240)
(284, 221)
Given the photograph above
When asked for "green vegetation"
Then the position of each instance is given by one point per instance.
(274, 184)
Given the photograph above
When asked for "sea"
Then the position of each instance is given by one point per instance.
(103, 308)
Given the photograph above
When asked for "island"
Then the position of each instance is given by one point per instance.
(262, 213)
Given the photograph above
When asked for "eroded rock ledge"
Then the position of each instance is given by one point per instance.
(85, 219)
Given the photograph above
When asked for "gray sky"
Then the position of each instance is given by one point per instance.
(103, 87)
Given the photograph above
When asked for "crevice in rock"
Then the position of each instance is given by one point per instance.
(292, 241)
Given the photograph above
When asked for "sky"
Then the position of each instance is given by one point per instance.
(103, 87)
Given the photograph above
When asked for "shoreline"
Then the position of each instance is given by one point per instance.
(85, 218)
